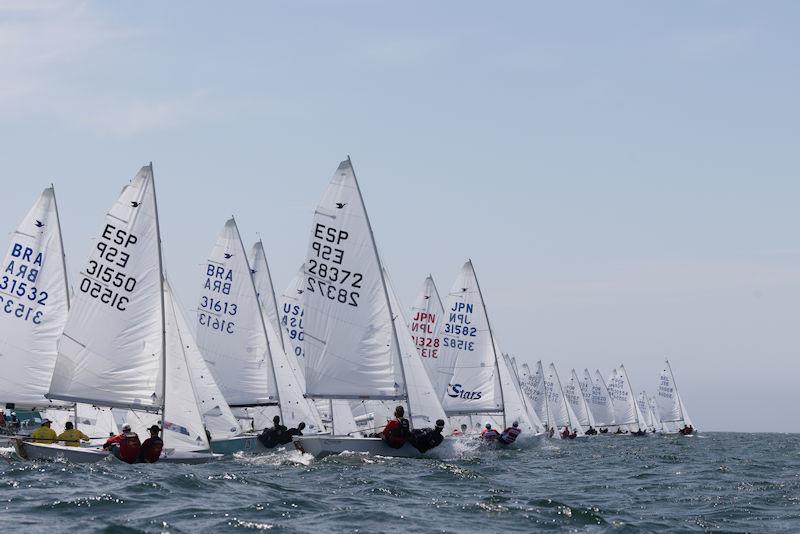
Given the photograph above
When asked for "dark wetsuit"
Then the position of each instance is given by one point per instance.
(425, 439)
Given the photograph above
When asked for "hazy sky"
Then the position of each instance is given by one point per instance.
(624, 175)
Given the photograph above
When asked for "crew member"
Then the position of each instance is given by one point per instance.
(295, 432)
(274, 436)
(510, 434)
(489, 433)
(71, 436)
(461, 432)
(150, 451)
(44, 434)
(124, 445)
(396, 432)
(426, 439)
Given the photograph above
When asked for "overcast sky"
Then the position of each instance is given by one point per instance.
(624, 175)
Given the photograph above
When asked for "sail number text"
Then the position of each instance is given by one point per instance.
(104, 278)
(331, 280)
(19, 296)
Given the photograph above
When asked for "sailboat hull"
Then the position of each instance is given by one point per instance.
(321, 446)
(51, 452)
(245, 443)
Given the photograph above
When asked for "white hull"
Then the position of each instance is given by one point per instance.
(41, 451)
(87, 455)
(321, 446)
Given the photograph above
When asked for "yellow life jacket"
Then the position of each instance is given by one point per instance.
(44, 434)
(72, 437)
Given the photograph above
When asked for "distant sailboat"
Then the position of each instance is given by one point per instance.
(561, 414)
(626, 410)
(599, 400)
(577, 401)
(426, 316)
(671, 409)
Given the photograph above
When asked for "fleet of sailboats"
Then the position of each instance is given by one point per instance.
(334, 351)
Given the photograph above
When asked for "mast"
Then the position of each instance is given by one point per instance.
(163, 314)
(61, 242)
(563, 397)
(491, 338)
(583, 398)
(261, 315)
(385, 294)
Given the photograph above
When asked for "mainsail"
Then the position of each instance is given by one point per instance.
(560, 410)
(516, 409)
(626, 412)
(351, 347)
(467, 355)
(426, 316)
(33, 305)
(533, 386)
(112, 347)
(231, 330)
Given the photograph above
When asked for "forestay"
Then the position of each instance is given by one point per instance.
(230, 330)
(33, 305)
(111, 349)
(426, 315)
(349, 340)
(467, 352)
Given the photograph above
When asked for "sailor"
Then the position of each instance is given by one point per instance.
(425, 439)
(295, 431)
(150, 451)
(551, 431)
(565, 433)
(604, 430)
(573, 434)
(274, 436)
(591, 431)
(461, 432)
(489, 433)
(71, 436)
(510, 434)
(44, 434)
(124, 445)
(397, 430)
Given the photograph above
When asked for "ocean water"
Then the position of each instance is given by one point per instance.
(710, 482)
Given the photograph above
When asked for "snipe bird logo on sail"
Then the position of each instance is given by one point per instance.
(457, 391)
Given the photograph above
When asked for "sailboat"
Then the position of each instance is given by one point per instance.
(574, 393)
(600, 403)
(34, 296)
(533, 386)
(121, 346)
(626, 410)
(517, 408)
(351, 344)
(671, 409)
(644, 409)
(560, 412)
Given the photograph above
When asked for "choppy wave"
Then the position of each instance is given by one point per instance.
(730, 482)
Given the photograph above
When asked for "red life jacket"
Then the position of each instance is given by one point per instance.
(489, 433)
(150, 451)
(394, 434)
(510, 434)
(129, 447)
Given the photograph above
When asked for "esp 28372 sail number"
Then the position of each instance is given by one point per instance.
(104, 278)
(18, 292)
(326, 274)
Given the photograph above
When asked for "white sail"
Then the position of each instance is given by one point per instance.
(33, 305)
(266, 290)
(515, 407)
(426, 316)
(291, 315)
(342, 421)
(111, 350)
(230, 329)
(538, 425)
(651, 405)
(533, 386)
(644, 411)
(600, 402)
(467, 352)
(574, 396)
(350, 346)
(423, 402)
(626, 411)
(183, 425)
(215, 412)
(94, 421)
(670, 405)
